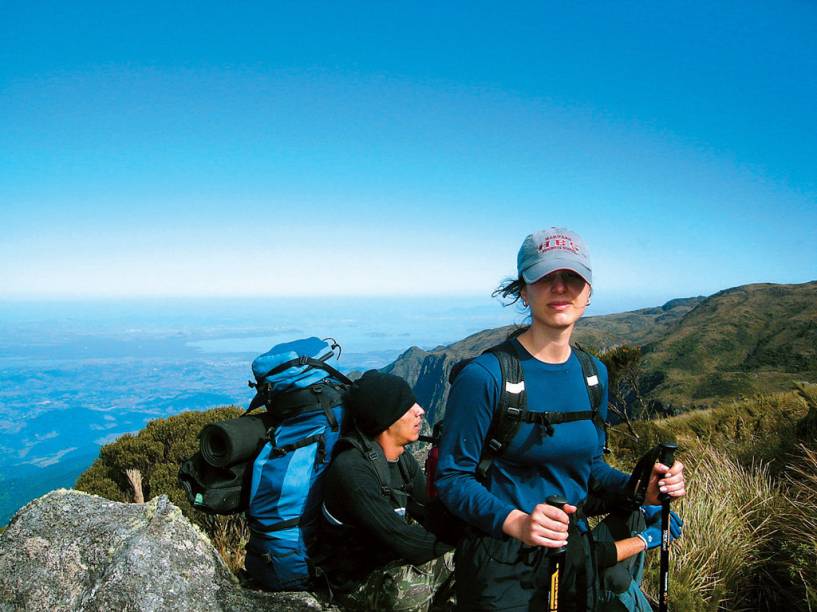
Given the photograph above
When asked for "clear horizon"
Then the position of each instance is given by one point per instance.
(367, 149)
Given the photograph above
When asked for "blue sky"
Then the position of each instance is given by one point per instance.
(272, 148)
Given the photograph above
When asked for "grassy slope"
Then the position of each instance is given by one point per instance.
(750, 513)
(741, 341)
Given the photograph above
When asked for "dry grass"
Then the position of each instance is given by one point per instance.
(728, 513)
(799, 524)
(229, 535)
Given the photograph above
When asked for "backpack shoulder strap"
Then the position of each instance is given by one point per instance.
(593, 385)
(512, 402)
(591, 378)
(377, 460)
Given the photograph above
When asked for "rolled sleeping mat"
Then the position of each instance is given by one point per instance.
(229, 442)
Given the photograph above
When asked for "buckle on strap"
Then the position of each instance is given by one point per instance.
(547, 425)
(513, 412)
(542, 419)
(495, 445)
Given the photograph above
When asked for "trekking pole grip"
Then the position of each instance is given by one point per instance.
(558, 501)
(666, 456)
(557, 562)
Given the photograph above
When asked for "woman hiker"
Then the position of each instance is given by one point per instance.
(503, 498)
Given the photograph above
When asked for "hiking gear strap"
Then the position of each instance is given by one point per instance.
(304, 360)
(513, 400)
(288, 403)
(263, 389)
(374, 453)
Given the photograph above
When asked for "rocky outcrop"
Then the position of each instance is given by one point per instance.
(69, 550)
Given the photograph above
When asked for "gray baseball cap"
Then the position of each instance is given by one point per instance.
(553, 249)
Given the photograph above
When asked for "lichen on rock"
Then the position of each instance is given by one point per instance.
(69, 550)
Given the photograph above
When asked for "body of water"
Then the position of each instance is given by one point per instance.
(76, 375)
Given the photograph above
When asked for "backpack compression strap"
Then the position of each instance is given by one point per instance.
(304, 360)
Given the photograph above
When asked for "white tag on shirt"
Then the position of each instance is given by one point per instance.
(515, 388)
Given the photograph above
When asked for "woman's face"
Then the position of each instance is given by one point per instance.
(558, 299)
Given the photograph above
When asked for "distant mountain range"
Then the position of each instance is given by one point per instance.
(738, 342)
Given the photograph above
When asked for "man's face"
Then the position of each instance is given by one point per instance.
(406, 429)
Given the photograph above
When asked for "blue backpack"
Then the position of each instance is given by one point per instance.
(302, 393)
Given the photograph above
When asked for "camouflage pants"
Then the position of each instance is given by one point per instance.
(405, 587)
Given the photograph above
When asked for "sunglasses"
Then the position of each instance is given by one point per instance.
(567, 277)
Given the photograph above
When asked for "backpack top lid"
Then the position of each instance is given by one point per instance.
(295, 376)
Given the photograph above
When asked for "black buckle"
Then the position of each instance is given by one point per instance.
(548, 426)
(513, 412)
(371, 456)
(494, 444)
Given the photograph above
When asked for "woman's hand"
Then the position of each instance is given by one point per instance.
(546, 526)
(665, 480)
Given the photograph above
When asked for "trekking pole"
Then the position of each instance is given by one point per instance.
(557, 562)
(666, 455)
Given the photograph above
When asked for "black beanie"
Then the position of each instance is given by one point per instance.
(376, 400)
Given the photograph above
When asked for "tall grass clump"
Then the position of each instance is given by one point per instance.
(799, 527)
(728, 515)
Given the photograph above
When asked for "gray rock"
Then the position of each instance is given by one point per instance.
(69, 550)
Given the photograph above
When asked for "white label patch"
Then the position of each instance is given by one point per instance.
(515, 388)
(593, 380)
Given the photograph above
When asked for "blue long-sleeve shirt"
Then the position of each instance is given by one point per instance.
(534, 465)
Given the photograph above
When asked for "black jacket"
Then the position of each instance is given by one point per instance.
(372, 513)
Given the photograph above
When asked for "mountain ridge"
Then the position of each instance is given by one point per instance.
(684, 342)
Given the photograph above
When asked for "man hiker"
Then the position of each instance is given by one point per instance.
(371, 545)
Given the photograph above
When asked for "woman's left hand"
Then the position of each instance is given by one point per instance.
(666, 480)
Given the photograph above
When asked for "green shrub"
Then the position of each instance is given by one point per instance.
(157, 452)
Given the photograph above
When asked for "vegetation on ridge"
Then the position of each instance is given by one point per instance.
(157, 451)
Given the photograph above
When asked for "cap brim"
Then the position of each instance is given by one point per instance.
(543, 268)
